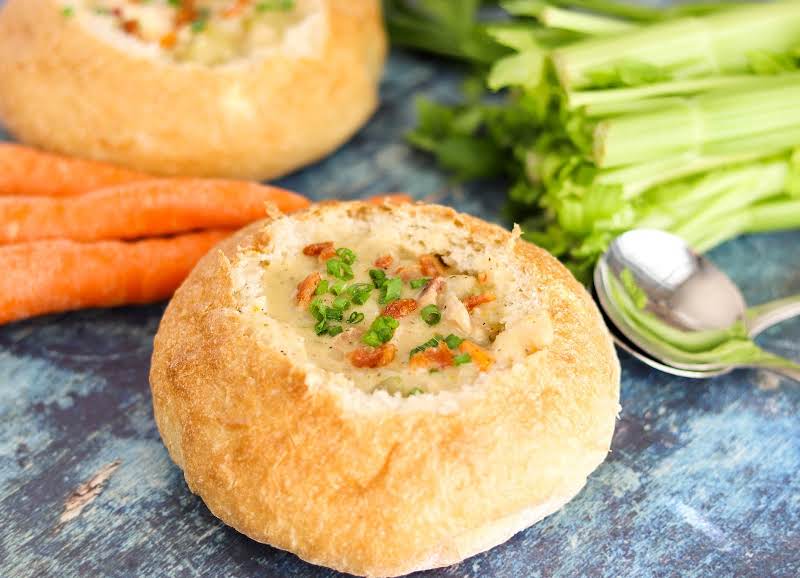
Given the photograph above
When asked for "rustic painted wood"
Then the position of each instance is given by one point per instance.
(703, 479)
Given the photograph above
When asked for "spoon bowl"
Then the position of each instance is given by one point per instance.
(666, 303)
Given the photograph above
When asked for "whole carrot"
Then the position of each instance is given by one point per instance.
(142, 209)
(27, 171)
(51, 276)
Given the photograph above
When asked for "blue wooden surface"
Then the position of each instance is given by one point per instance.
(702, 481)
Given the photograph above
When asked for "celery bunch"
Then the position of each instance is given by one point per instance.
(619, 116)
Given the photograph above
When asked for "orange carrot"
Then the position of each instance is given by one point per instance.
(50, 276)
(141, 209)
(27, 171)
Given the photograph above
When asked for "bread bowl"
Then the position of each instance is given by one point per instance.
(253, 93)
(401, 465)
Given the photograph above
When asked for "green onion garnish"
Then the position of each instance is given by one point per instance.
(371, 339)
(381, 330)
(431, 315)
(336, 314)
(421, 282)
(322, 288)
(270, 5)
(378, 277)
(415, 391)
(433, 342)
(321, 327)
(341, 303)
(391, 290)
(339, 269)
(453, 341)
(360, 292)
(346, 255)
(462, 359)
(67, 11)
(355, 317)
(317, 308)
(338, 287)
(334, 330)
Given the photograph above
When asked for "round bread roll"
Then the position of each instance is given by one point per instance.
(373, 447)
(214, 88)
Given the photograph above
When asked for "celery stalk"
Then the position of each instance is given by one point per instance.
(687, 47)
(710, 122)
(582, 22)
(599, 98)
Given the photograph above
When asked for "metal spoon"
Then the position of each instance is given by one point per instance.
(686, 292)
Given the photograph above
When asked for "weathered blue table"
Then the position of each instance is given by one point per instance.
(703, 480)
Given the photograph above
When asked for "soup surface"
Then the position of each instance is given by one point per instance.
(386, 316)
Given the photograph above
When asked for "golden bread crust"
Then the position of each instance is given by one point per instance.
(388, 491)
(68, 90)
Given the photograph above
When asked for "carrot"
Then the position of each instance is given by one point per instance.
(141, 209)
(27, 171)
(50, 276)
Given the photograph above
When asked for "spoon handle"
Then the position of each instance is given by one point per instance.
(762, 317)
(789, 372)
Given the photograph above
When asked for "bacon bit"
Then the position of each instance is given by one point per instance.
(316, 249)
(237, 8)
(384, 261)
(130, 27)
(327, 253)
(306, 288)
(186, 14)
(433, 357)
(373, 356)
(482, 277)
(480, 357)
(400, 308)
(408, 273)
(169, 40)
(473, 301)
(430, 266)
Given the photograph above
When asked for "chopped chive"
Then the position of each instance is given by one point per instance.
(334, 330)
(360, 292)
(433, 342)
(339, 269)
(341, 303)
(346, 255)
(317, 308)
(371, 338)
(67, 11)
(415, 391)
(322, 288)
(270, 5)
(431, 315)
(337, 288)
(462, 359)
(355, 317)
(200, 24)
(421, 282)
(378, 277)
(453, 341)
(335, 314)
(391, 290)
(321, 327)
(381, 330)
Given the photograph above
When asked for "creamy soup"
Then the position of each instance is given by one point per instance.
(387, 317)
(203, 31)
